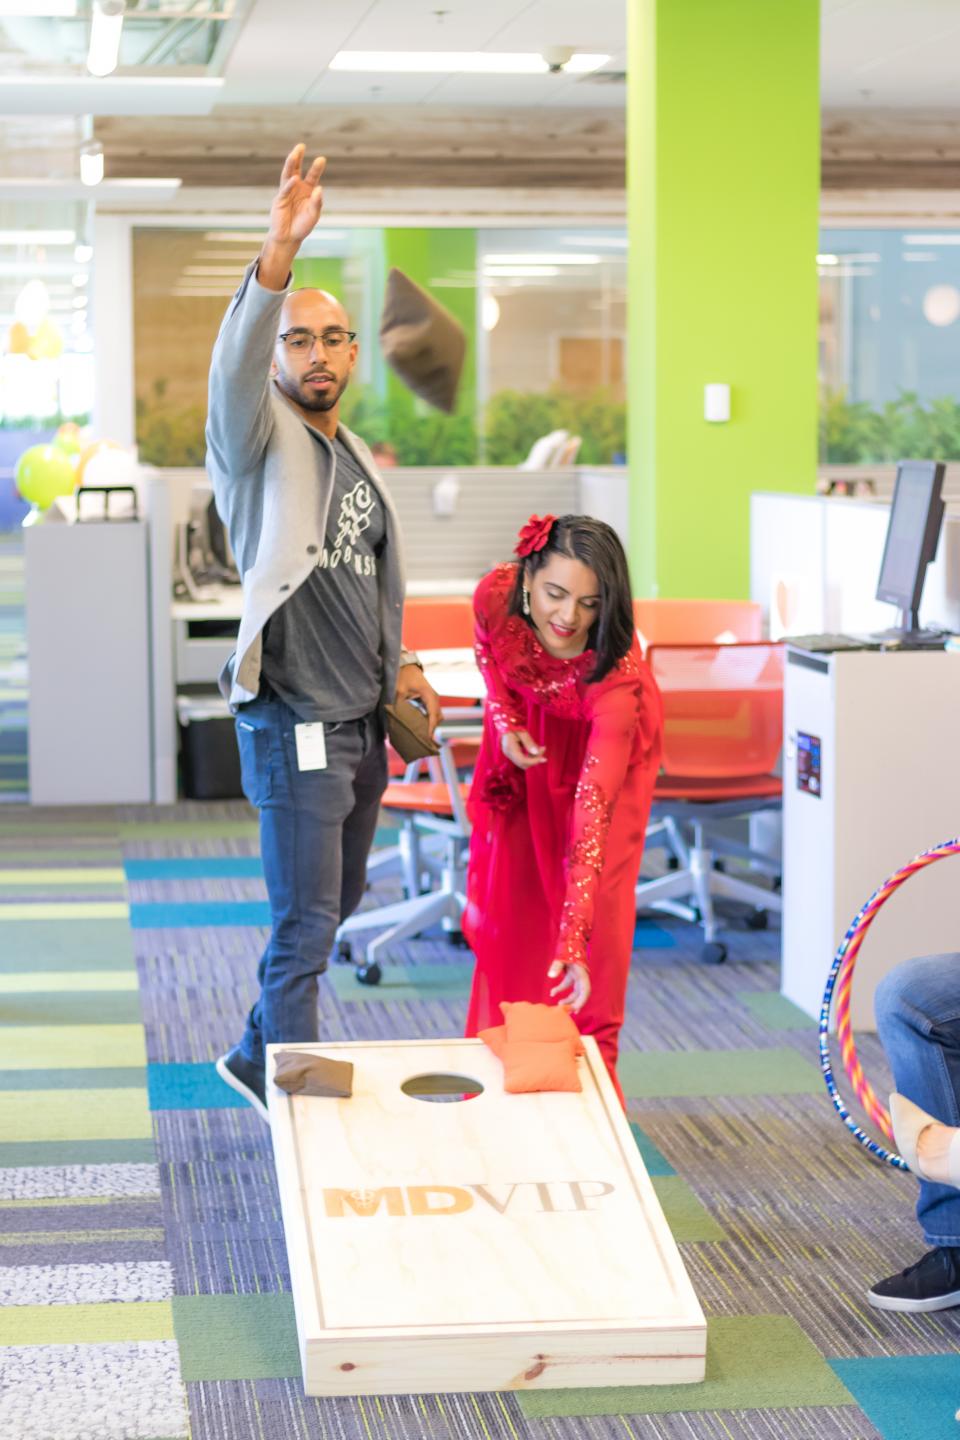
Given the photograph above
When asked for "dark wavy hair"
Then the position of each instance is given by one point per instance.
(596, 545)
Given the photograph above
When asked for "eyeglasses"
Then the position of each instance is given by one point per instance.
(301, 341)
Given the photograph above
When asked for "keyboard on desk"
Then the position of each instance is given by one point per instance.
(827, 644)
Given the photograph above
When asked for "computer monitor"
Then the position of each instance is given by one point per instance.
(912, 535)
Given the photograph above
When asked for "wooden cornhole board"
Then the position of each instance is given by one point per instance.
(502, 1242)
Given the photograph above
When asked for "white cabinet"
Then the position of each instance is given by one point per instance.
(883, 727)
(89, 664)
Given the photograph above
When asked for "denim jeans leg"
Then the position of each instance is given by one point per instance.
(918, 1019)
(360, 827)
(302, 815)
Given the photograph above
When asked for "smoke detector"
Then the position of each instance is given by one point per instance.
(557, 56)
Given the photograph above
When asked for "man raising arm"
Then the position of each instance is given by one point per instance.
(317, 542)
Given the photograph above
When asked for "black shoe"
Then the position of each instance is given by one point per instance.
(933, 1283)
(247, 1079)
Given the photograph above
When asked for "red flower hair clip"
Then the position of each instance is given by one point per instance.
(534, 535)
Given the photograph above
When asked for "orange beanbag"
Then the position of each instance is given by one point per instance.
(538, 1046)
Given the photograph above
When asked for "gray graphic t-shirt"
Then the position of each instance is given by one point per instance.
(321, 649)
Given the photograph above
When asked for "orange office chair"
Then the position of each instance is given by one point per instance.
(723, 730)
(441, 622)
(436, 808)
(429, 623)
(696, 622)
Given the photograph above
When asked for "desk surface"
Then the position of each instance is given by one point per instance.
(453, 673)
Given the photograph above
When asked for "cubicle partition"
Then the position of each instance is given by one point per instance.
(815, 562)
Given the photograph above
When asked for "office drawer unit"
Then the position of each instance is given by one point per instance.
(869, 780)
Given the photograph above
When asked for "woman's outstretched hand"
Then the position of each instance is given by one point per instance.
(573, 991)
(522, 750)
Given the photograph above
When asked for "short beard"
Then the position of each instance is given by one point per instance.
(306, 399)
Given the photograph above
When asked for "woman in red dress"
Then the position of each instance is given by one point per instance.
(563, 784)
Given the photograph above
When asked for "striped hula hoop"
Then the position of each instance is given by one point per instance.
(841, 977)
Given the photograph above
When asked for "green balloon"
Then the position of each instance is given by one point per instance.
(43, 472)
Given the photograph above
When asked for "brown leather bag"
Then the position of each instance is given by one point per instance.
(408, 731)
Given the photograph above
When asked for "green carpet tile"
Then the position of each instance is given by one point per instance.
(754, 1362)
(718, 1072)
(236, 1337)
(67, 1007)
(775, 1011)
(60, 945)
(402, 982)
(86, 1324)
(687, 1218)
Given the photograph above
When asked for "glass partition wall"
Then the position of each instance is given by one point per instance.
(889, 344)
(543, 310)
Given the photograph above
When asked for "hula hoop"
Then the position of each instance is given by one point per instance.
(841, 976)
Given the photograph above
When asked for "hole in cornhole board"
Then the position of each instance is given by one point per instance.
(442, 1088)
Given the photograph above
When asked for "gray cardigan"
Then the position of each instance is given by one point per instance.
(272, 482)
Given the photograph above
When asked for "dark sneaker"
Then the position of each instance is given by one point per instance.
(247, 1079)
(933, 1283)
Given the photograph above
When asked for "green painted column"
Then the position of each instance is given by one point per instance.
(319, 272)
(723, 166)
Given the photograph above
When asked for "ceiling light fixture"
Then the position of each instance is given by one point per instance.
(106, 24)
(500, 273)
(91, 163)
(82, 254)
(950, 238)
(37, 237)
(537, 258)
(37, 9)
(459, 62)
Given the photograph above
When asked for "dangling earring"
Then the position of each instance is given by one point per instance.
(526, 601)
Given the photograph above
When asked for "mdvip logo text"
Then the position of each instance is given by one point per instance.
(524, 1197)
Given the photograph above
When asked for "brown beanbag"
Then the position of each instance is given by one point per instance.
(302, 1074)
(421, 342)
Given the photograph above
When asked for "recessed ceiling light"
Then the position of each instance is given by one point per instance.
(951, 238)
(459, 62)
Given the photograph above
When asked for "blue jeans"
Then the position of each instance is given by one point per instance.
(316, 830)
(918, 1019)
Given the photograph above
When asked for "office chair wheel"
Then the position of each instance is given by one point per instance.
(758, 919)
(343, 954)
(369, 974)
(457, 939)
(713, 953)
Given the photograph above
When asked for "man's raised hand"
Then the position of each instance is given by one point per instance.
(299, 201)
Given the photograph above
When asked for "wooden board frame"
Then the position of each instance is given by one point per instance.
(345, 1354)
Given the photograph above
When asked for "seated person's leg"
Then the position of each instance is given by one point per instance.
(918, 1019)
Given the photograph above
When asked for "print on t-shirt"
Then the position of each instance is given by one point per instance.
(356, 512)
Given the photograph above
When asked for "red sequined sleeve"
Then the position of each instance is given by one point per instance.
(616, 715)
(504, 706)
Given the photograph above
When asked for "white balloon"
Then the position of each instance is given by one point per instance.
(111, 467)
